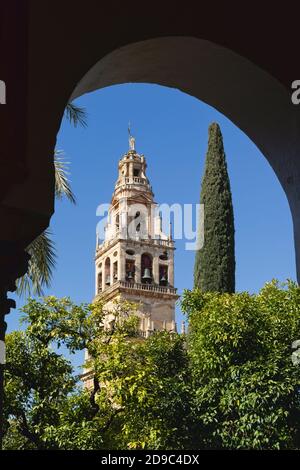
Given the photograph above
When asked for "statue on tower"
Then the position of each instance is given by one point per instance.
(131, 139)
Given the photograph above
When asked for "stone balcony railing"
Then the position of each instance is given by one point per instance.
(148, 287)
(137, 286)
(131, 180)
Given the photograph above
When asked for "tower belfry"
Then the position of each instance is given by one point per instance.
(135, 261)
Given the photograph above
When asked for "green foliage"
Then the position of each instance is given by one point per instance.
(76, 115)
(78, 428)
(215, 262)
(37, 382)
(43, 399)
(62, 184)
(246, 389)
(147, 380)
(42, 262)
(139, 393)
(229, 384)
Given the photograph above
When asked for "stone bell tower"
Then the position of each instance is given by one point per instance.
(136, 259)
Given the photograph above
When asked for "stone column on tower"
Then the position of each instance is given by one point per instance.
(138, 273)
(156, 270)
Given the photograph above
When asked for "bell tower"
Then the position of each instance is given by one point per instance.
(135, 261)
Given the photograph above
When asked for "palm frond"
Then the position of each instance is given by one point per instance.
(62, 184)
(76, 115)
(41, 265)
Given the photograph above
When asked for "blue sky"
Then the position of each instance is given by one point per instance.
(170, 128)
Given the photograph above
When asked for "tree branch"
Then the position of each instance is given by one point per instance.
(110, 420)
(25, 431)
(93, 403)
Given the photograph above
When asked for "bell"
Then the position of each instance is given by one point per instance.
(147, 274)
(163, 278)
(130, 277)
(107, 281)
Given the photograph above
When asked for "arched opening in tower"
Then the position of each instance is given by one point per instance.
(107, 272)
(147, 269)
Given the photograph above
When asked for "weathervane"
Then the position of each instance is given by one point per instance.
(131, 139)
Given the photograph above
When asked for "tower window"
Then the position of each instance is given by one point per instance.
(107, 272)
(115, 271)
(163, 275)
(130, 270)
(138, 226)
(146, 265)
(164, 256)
(99, 283)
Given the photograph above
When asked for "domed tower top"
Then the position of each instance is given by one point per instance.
(132, 173)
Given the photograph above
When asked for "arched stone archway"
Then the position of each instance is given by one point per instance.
(208, 57)
(250, 97)
(53, 50)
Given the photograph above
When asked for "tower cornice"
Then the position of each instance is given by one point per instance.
(153, 291)
(129, 242)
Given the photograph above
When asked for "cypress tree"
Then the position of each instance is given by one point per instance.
(215, 261)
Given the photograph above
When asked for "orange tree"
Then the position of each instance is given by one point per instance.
(245, 385)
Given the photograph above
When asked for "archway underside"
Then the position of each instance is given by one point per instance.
(254, 101)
